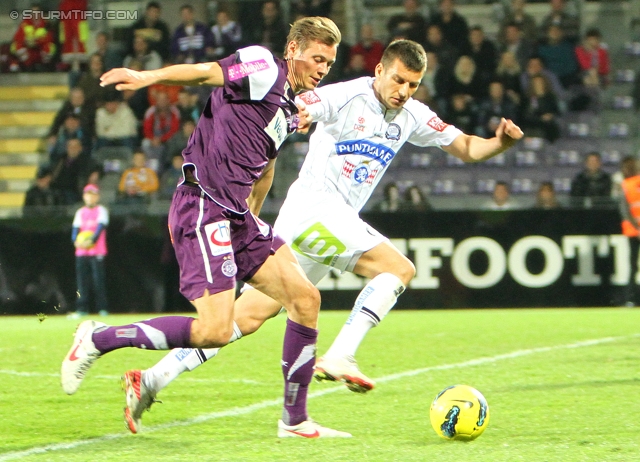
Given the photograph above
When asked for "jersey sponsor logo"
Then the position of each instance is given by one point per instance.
(366, 148)
(219, 237)
(128, 332)
(437, 124)
(309, 97)
(229, 268)
(241, 70)
(319, 244)
(393, 132)
(359, 127)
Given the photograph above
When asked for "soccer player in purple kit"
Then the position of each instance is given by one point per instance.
(228, 169)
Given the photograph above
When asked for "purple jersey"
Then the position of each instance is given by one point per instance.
(242, 126)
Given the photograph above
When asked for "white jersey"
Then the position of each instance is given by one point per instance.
(356, 138)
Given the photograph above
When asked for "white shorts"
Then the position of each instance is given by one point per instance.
(324, 232)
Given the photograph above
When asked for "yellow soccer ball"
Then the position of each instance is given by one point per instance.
(459, 412)
(85, 236)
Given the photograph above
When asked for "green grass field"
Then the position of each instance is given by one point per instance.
(562, 385)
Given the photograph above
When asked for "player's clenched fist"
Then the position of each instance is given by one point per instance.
(508, 132)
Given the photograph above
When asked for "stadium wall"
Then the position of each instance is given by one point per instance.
(464, 259)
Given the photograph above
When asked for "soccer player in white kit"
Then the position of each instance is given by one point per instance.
(362, 124)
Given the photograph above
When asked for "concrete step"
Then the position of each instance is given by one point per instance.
(18, 172)
(18, 186)
(34, 92)
(11, 199)
(25, 158)
(24, 131)
(26, 118)
(12, 146)
(42, 78)
(9, 105)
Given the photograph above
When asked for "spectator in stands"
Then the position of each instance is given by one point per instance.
(70, 173)
(628, 168)
(153, 29)
(116, 124)
(559, 57)
(392, 201)
(41, 199)
(492, 108)
(188, 105)
(149, 59)
(171, 91)
(161, 122)
(591, 183)
(558, 16)
(483, 52)
(226, 36)
(270, 32)
(536, 67)
(73, 33)
(593, 59)
(436, 79)
(508, 73)
(110, 54)
(89, 81)
(356, 68)
(138, 183)
(137, 100)
(313, 7)
(411, 24)
(541, 110)
(462, 113)
(178, 142)
(415, 201)
(71, 129)
(422, 94)
(518, 16)
(455, 29)
(517, 44)
(170, 178)
(368, 47)
(501, 198)
(78, 106)
(32, 47)
(192, 40)
(466, 80)
(546, 197)
(446, 53)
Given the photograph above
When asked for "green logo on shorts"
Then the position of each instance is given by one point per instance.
(318, 243)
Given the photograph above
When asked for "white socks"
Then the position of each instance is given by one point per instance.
(372, 305)
(180, 360)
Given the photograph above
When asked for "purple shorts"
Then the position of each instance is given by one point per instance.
(214, 246)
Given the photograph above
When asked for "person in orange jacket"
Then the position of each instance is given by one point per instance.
(630, 212)
(32, 47)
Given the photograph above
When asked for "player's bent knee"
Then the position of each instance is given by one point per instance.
(307, 303)
(211, 336)
(407, 272)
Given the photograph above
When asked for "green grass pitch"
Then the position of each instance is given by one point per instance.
(562, 385)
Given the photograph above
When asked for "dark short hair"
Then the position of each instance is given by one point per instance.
(154, 5)
(410, 53)
(187, 6)
(593, 32)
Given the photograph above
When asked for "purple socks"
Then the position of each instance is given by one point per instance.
(163, 333)
(298, 361)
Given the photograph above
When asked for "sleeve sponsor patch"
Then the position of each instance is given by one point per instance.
(309, 97)
(219, 237)
(437, 124)
(241, 70)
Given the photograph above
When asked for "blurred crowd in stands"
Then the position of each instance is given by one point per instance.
(531, 72)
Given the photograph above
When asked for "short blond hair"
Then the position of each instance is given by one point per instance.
(313, 28)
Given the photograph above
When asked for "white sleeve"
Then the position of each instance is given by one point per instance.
(103, 215)
(77, 221)
(324, 103)
(430, 130)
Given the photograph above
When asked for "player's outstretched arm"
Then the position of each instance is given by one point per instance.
(472, 148)
(179, 74)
